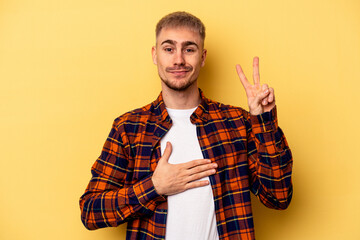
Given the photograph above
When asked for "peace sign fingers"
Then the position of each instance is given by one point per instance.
(260, 97)
(256, 74)
(243, 78)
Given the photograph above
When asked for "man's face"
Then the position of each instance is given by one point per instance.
(179, 55)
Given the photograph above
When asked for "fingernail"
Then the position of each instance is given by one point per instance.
(214, 165)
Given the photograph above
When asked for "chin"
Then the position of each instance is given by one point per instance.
(178, 87)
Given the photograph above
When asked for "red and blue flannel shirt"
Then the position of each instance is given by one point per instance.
(251, 152)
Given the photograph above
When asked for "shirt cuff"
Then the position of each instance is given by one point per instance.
(146, 194)
(265, 122)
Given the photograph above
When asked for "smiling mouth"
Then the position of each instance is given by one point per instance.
(178, 69)
(179, 73)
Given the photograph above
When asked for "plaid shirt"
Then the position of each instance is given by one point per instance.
(251, 152)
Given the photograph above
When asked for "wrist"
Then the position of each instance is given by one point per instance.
(156, 186)
(256, 111)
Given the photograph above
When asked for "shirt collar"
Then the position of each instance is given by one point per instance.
(200, 114)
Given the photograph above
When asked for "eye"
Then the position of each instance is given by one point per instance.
(189, 50)
(168, 49)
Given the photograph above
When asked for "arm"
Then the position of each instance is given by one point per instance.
(106, 202)
(269, 156)
(270, 160)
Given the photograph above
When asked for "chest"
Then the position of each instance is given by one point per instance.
(222, 141)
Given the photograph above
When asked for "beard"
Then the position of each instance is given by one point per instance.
(178, 87)
(179, 84)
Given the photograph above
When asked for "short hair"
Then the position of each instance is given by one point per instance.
(181, 19)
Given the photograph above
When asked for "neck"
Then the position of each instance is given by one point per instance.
(187, 99)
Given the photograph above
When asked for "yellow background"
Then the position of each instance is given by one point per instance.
(68, 68)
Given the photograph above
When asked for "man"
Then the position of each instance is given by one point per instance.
(183, 166)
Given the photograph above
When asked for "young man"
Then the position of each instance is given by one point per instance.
(183, 166)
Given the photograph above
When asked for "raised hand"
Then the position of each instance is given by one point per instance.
(260, 98)
(169, 179)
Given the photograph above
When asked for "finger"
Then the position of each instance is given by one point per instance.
(201, 168)
(201, 175)
(262, 95)
(271, 97)
(195, 163)
(197, 184)
(256, 74)
(265, 88)
(242, 76)
(167, 152)
(265, 101)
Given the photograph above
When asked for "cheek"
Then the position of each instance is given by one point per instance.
(162, 62)
(198, 63)
(161, 68)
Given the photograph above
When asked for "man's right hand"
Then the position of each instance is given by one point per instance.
(170, 179)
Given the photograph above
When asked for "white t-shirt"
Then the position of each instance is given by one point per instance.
(191, 214)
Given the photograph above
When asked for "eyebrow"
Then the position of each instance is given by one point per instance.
(184, 44)
(169, 41)
(188, 43)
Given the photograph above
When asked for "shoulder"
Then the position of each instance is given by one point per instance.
(226, 110)
(137, 116)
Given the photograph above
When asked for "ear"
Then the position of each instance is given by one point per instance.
(203, 57)
(153, 53)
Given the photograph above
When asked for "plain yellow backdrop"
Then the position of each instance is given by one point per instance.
(68, 68)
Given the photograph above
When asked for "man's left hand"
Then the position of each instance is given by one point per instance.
(260, 97)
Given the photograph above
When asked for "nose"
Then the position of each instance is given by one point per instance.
(179, 58)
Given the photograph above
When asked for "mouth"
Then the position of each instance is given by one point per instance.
(179, 72)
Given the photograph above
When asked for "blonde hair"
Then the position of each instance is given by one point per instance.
(181, 19)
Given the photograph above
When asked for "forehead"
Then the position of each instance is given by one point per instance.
(179, 34)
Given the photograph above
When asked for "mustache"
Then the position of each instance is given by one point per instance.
(179, 68)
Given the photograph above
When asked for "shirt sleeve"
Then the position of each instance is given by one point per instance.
(270, 160)
(107, 202)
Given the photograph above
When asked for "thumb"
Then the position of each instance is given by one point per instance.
(263, 94)
(167, 152)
